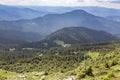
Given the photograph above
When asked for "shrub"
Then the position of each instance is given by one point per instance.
(85, 72)
(111, 75)
(80, 75)
(3, 78)
(89, 71)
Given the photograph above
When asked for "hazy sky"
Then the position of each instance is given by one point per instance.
(102, 3)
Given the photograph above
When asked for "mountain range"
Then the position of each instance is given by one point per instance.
(8, 12)
(35, 29)
(52, 22)
(98, 11)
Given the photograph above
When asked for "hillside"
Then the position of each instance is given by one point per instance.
(88, 62)
(28, 36)
(11, 37)
(52, 22)
(73, 35)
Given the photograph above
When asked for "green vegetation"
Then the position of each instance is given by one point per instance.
(58, 42)
(78, 62)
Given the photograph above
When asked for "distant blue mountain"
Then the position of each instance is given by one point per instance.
(114, 18)
(15, 13)
(52, 22)
(28, 12)
(98, 11)
(102, 11)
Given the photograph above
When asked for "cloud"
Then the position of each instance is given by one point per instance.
(39, 2)
(80, 0)
(102, 3)
(117, 1)
(110, 1)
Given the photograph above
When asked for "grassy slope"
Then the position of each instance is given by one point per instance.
(97, 60)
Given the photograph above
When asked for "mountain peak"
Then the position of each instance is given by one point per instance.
(73, 35)
(77, 12)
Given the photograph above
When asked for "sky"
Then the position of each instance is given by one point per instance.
(101, 3)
